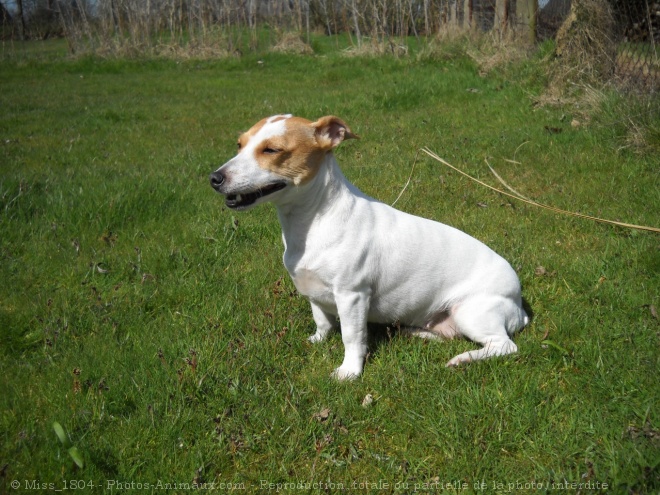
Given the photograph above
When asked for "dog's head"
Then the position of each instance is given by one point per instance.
(275, 154)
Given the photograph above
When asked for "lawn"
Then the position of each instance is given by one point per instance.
(161, 332)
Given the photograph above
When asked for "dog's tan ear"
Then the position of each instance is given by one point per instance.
(331, 131)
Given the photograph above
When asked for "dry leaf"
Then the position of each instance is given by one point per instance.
(323, 415)
(368, 400)
(540, 271)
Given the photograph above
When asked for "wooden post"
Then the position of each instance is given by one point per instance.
(533, 6)
(527, 12)
(453, 13)
(468, 21)
(501, 17)
(356, 24)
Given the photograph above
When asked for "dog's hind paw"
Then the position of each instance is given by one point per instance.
(458, 360)
(487, 351)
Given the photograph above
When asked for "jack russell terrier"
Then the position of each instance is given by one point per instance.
(359, 260)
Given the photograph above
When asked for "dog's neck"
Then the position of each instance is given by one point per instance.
(306, 203)
(316, 196)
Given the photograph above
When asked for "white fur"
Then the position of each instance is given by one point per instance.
(361, 260)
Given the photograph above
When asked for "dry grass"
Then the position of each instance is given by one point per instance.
(640, 127)
(193, 51)
(583, 99)
(583, 61)
(491, 52)
(585, 54)
(373, 47)
(290, 42)
(173, 50)
(488, 50)
(449, 42)
(212, 46)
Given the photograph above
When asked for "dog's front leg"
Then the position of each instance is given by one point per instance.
(325, 322)
(353, 308)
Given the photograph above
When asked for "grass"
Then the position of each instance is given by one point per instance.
(161, 333)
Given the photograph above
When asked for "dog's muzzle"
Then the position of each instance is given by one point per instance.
(241, 200)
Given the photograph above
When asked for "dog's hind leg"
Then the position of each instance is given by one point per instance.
(325, 322)
(490, 349)
(488, 321)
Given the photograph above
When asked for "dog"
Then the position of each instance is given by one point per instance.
(359, 260)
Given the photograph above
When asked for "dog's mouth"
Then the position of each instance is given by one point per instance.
(244, 200)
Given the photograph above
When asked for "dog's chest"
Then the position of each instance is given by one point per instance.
(310, 284)
(306, 264)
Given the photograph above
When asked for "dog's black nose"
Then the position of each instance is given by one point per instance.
(217, 179)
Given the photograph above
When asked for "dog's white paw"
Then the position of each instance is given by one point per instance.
(317, 337)
(344, 373)
(459, 360)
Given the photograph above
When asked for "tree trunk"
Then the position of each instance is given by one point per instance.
(356, 24)
(453, 13)
(21, 20)
(468, 21)
(326, 17)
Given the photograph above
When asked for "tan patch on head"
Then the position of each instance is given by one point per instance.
(298, 152)
(245, 137)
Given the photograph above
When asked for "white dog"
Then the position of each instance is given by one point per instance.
(362, 261)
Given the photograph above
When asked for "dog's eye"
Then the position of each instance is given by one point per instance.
(238, 145)
(270, 151)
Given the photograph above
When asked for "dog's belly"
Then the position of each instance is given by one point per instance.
(395, 306)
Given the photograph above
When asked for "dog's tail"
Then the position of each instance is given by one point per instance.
(522, 321)
(527, 313)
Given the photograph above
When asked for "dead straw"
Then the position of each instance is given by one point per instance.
(516, 195)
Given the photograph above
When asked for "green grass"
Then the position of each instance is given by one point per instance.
(161, 331)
